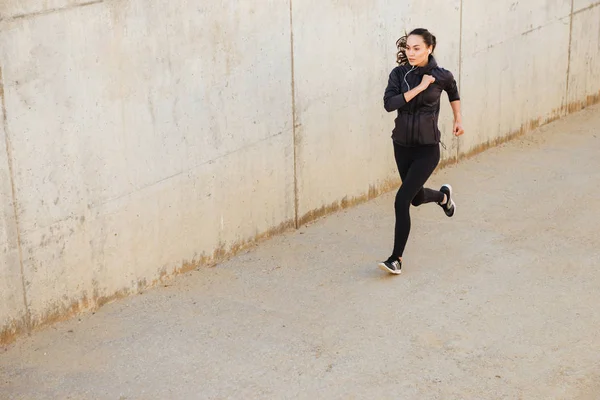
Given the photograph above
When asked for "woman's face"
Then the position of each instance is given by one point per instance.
(417, 50)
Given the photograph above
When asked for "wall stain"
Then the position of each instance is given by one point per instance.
(374, 191)
(67, 309)
(12, 330)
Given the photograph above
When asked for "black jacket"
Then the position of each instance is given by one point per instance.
(417, 121)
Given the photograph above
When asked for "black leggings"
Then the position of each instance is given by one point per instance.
(415, 165)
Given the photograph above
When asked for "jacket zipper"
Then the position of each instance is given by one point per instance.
(412, 131)
(411, 70)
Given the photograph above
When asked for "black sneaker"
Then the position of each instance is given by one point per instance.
(392, 265)
(449, 207)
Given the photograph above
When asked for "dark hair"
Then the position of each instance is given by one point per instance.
(428, 38)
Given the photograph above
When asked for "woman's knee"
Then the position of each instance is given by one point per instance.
(418, 199)
(402, 200)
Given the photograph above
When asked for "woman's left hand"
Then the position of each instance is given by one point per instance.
(458, 128)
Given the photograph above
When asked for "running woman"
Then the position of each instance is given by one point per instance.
(414, 90)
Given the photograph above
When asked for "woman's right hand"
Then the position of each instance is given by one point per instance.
(426, 81)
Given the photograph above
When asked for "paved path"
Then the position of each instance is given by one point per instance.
(499, 302)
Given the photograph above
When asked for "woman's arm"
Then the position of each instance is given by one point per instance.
(394, 99)
(454, 98)
(458, 128)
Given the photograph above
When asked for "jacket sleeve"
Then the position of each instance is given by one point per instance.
(451, 88)
(393, 99)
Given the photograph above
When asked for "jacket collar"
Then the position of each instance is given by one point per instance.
(431, 64)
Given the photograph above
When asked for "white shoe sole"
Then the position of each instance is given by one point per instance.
(385, 268)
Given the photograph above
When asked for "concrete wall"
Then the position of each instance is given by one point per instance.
(147, 138)
(514, 67)
(525, 63)
(143, 138)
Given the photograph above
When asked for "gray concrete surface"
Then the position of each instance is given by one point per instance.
(499, 302)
